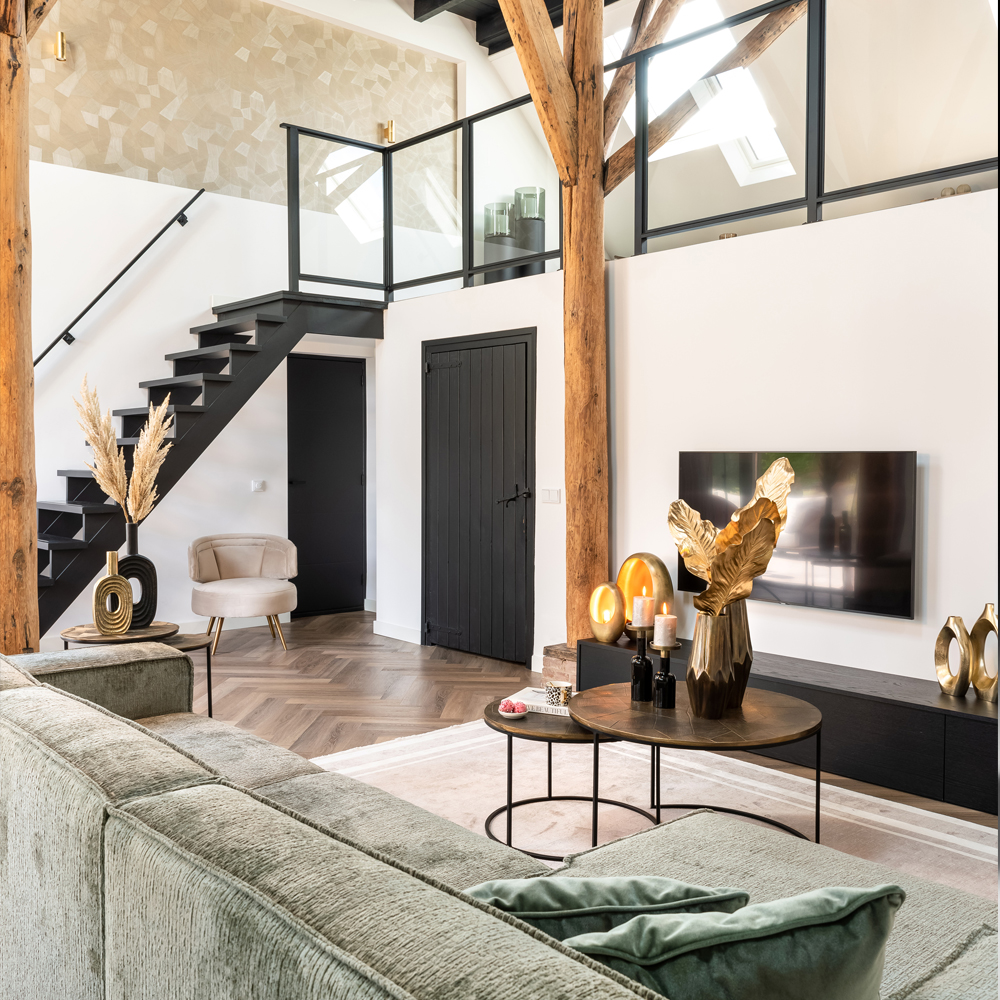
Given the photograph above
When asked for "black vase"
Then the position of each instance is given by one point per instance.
(137, 567)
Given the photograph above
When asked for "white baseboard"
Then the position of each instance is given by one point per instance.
(370, 604)
(391, 631)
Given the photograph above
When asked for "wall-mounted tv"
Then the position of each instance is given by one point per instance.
(850, 538)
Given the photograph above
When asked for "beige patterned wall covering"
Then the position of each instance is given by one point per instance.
(192, 92)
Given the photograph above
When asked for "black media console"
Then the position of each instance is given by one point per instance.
(892, 731)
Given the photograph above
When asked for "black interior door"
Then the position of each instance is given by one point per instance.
(326, 481)
(479, 469)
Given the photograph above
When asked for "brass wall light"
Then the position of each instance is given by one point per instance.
(389, 132)
(60, 46)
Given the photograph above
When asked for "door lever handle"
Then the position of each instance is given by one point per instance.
(525, 493)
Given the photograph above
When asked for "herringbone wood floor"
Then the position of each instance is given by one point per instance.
(339, 686)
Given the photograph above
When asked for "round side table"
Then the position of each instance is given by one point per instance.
(543, 728)
(766, 719)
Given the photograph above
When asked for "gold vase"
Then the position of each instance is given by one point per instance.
(984, 685)
(710, 675)
(954, 684)
(119, 619)
(739, 637)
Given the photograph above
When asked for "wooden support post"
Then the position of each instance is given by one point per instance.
(18, 535)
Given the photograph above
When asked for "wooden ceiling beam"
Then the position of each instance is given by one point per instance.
(621, 163)
(548, 80)
(35, 11)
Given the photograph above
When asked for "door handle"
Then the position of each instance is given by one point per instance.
(296, 482)
(525, 493)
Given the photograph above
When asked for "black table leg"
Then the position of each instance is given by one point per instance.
(818, 731)
(510, 783)
(65, 644)
(656, 751)
(208, 670)
(593, 829)
(652, 776)
(550, 768)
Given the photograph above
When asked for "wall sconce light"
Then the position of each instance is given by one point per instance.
(60, 46)
(389, 132)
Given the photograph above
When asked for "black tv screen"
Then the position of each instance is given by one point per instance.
(849, 540)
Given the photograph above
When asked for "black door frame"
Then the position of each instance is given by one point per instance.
(364, 452)
(526, 335)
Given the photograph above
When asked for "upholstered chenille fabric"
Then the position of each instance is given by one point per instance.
(132, 680)
(11, 676)
(247, 597)
(240, 756)
(61, 761)
(224, 896)
(828, 944)
(402, 831)
(226, 557)
(566, 907)
(933, 933)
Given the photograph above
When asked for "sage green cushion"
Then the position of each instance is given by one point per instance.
(828, 944)
(566, 907)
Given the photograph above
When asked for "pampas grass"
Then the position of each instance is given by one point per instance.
(138, 497)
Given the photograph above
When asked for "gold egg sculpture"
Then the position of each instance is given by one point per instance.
(643, 574)
(984, 685)
(607, 612)
(954, 631)
(112, 589)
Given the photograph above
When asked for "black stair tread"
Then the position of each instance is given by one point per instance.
(45, 581)
(75, 473)
(218, 351)
(236, 322)
(125, 442)
(78, 508)
(178, 380)
(140, 411)
(59, 542)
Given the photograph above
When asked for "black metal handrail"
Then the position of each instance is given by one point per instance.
(180, 218)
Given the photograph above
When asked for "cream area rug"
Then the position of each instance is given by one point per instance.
(460, 773)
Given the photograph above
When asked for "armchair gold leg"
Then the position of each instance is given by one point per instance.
(270, 625)
(218, 633)
(211, 622)
(281, 635)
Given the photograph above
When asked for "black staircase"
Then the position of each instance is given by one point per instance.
(210, 384)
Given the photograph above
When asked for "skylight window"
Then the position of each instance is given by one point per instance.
(732, 112)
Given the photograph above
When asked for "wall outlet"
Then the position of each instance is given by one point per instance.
(551, 496)
(257, 485)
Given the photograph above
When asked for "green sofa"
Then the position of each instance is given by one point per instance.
(147, 852)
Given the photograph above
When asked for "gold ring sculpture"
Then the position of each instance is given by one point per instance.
(984, 685)
(119, 620)
(954, 684)
(607, 612)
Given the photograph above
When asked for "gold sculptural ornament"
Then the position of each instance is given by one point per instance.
(112, 586)
(954, 684)
(643, 574)
(985, 685)
(607, 612)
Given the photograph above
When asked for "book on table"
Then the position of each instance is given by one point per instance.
(534, 701)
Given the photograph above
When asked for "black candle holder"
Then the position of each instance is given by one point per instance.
(642, 673)
(664, 683)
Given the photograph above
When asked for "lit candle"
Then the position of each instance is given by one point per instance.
(642, 612)
(665, 630)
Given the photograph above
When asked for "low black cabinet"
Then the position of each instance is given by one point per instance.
(897, 732)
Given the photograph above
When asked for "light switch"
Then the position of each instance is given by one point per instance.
(551, 496)
(257, 485)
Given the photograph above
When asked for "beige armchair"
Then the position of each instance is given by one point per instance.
(243, 576)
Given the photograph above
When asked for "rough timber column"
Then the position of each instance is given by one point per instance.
(584, 324)
(18, 540)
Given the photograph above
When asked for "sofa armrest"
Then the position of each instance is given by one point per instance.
(134, 680)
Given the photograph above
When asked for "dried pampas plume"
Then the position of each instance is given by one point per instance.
(109, 460)
(149, 455)
(137, 497)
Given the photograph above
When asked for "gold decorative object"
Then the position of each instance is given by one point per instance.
(963, 189)
(389, 131)
(954, 684)
(60, 46)
(710, 675)
(645, 575)
(607, 612)
(984, 685)
(739, 637)
(112, 621)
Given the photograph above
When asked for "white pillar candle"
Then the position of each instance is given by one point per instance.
(642, 612)
(665, 630)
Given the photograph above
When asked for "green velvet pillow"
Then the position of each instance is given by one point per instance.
(566, 907)
(823, 945)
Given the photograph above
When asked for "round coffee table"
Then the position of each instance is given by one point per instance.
(766, 719)
(543, 728)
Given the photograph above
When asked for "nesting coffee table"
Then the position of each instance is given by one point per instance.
(766, 719)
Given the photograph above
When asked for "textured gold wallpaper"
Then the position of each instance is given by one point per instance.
(192, 92)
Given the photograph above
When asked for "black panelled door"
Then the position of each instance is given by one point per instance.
(326, 481)
(479, 416)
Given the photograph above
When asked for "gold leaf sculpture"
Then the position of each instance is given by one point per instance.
(775, 484)
(744, 521)
(695, 539)
(734, 569)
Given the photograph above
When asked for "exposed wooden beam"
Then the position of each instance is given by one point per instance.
(35, 11)
(622, 162)
(585, 342)
(18, 536)
(647, 30)
(548, 80)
